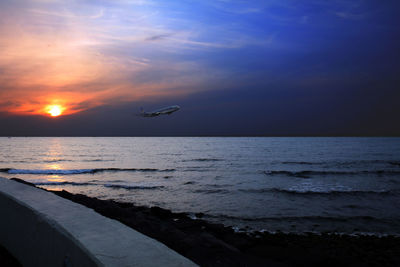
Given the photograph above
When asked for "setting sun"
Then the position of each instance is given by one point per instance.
(54, 110)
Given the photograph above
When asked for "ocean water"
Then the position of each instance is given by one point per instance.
(342, 185)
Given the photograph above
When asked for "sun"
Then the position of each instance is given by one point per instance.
(54, 110)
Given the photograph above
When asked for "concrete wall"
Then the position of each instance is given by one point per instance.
(42, 229)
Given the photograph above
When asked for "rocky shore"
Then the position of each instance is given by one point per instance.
(209, 244)
(6, 259)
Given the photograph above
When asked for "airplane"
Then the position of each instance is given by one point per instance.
(161, 111)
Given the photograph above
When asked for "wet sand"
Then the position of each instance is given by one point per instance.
(209, 244)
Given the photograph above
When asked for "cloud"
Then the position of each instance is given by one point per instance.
(349, 15)
(289, 12)
(82, 55)
(158, 37)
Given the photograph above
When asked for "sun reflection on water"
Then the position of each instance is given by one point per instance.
(53, 166)
(56, 178)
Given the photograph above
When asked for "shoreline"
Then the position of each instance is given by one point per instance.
(211, 244)
(7, 259)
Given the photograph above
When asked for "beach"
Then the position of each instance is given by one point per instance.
(210, 244)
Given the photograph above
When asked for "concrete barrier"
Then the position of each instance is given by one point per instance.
(42, 229)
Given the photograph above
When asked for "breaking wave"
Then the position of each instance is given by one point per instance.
(116, 186)
(80, 171)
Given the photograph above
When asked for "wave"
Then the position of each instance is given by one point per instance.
(96, 160)
(111, 181)
(80, 171)
(203, 159)
(296, 218)
(36, 161)
(117, 186)
(308, 174)
(211, 191)
(302, 163)
(56, 160)
(132, 187)
(341, 163)
(320, 193)
(132, 170)
(197, 169)
(62, 183)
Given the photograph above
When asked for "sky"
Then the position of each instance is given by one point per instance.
(235, 67)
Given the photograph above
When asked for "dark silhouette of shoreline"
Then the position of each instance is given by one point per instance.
(210, 244)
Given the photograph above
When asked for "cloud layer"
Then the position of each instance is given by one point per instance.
(294, 56)
(82, 55)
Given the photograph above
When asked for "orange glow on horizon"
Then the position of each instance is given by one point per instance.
(68, 103)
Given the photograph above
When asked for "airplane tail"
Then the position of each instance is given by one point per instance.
(141, 113)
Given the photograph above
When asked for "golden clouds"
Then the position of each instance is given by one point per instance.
(65, 68)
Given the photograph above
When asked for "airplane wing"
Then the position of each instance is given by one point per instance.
(163, 111)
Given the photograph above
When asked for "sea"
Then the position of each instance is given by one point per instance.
(275, 184)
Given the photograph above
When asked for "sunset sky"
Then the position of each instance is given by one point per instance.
(271, 67)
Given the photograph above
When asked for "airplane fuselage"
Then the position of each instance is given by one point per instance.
(161, 111)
